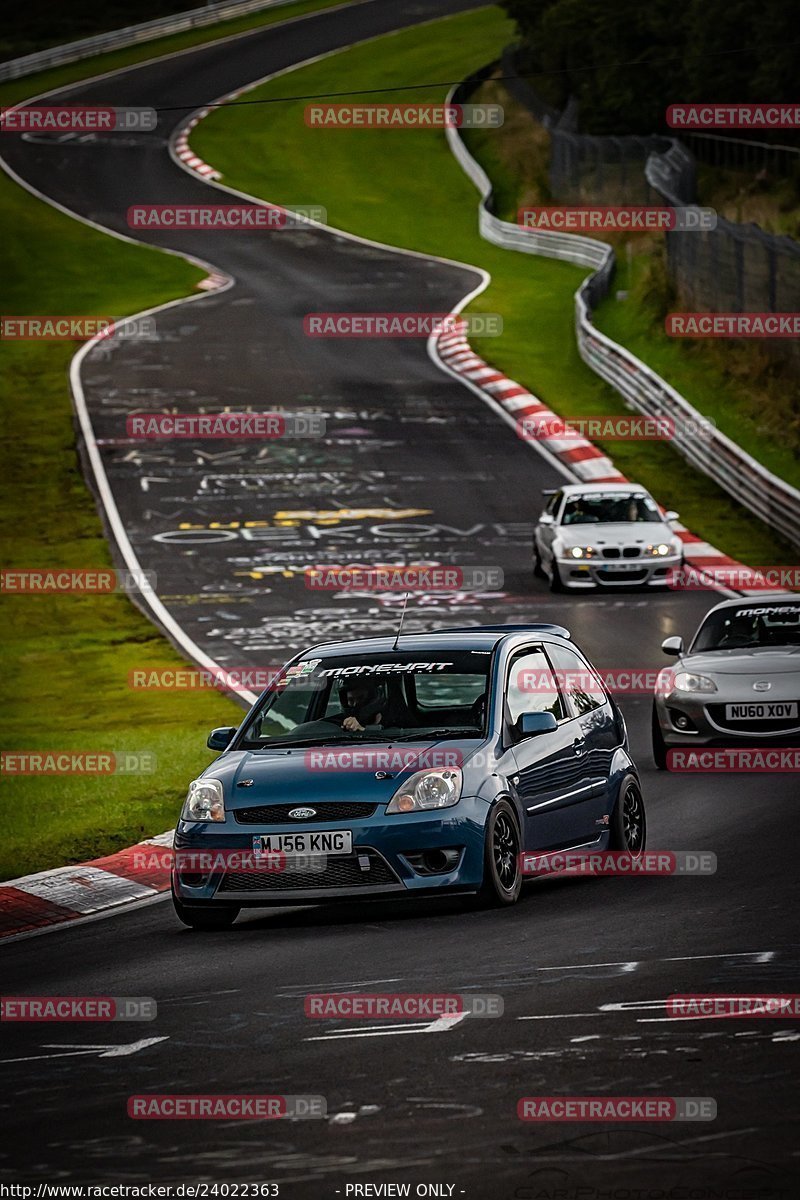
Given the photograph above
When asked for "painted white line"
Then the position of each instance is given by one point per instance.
(107, 1051)
(440, 1025)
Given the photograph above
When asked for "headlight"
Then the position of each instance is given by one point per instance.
(426, 790)
(685, 681)
(581, 552)
(659, 550)
(205, 801)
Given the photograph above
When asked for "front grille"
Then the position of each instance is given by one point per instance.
(278, 814)
(613, 576)
(339, 873)
(717, 714)
(611, 552)
(631, 552)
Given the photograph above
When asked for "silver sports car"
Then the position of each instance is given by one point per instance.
(739, 681)
(604, 535)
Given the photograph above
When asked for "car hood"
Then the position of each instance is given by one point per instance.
(761, 660)
(623, 534)
(341, 772)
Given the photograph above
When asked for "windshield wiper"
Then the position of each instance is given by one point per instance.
(420, 735)
(337, 739)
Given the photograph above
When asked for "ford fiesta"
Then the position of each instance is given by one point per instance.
(413, 766)
(739, 681)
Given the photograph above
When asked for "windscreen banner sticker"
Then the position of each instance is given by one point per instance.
(773, 610)
(385, 669)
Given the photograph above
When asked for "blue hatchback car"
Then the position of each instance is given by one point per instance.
(421, 765)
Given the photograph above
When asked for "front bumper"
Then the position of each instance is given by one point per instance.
(691, 719)
(390, 858)
(617, 572)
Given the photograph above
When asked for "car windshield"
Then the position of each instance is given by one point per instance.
(749, 625)
(373, 697)
(609, 508)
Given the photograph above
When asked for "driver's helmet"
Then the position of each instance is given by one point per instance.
(739, 629)
(362, 698)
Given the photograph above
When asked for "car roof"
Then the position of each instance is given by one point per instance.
(581, 489)
(770, 598)
(472, 637)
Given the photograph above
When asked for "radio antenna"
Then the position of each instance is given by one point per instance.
(402, 618)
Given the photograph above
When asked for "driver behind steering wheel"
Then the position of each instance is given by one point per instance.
(362, 702)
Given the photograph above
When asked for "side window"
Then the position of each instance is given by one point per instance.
(576, 679)
(553, 503)
(532, 686)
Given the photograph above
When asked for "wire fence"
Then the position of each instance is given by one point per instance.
(747, 481)
(733, 268)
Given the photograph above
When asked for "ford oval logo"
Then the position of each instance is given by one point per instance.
(762, 685)
(302, 814)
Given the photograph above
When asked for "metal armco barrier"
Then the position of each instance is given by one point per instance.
(747, 481)
(117, 39)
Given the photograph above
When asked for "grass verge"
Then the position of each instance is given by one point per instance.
(405, 188)
(65, 659)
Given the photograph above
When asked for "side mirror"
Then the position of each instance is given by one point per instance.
(671, 515)
(673, 646)
(533, 723)
(546, 518)
(220, 739)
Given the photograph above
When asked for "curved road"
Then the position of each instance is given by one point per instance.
(576, 962)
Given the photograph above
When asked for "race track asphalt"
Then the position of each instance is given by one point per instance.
(415, 1106)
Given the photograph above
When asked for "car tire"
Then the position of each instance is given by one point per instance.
(205, 916)
(556, 585)
(659, 745)
(628, 821)
(502, 851)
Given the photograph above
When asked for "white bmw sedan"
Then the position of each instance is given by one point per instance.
(604, 535)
